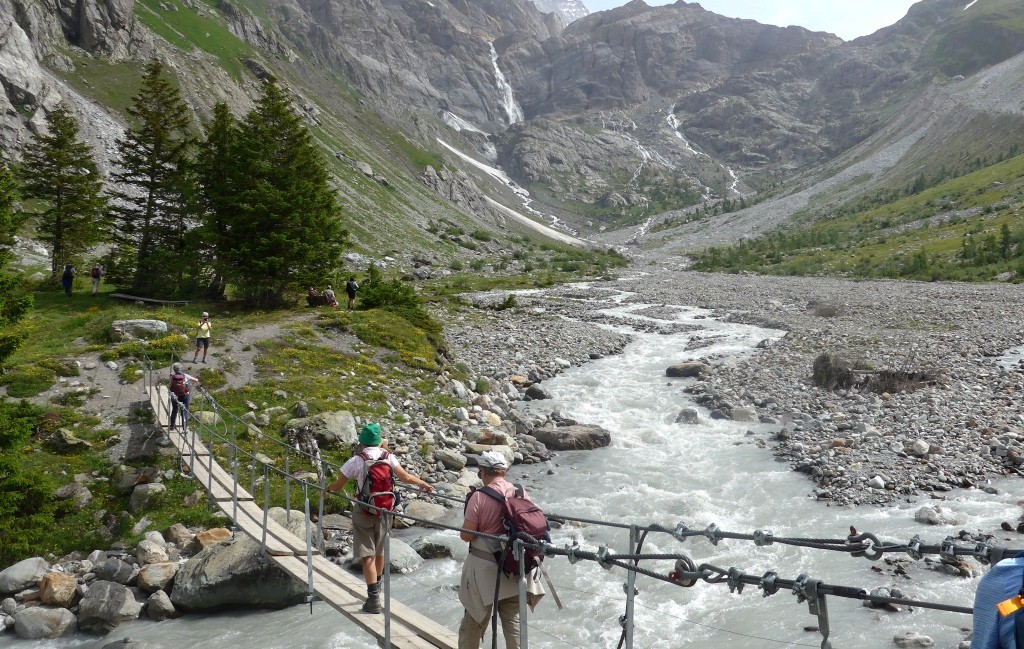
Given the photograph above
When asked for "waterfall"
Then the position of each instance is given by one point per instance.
(508, 98)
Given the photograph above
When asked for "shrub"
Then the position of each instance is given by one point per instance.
(28, 380)
(456, 265)
(831, 371)
(508, 303)
(481, 235)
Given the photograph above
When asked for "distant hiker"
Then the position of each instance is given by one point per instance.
(329, 297)
(202, 336)
(67, 277)
(351, 287)
(181, 393)
(374, 470)
(313, 297)
(482, 582)
(96, 273)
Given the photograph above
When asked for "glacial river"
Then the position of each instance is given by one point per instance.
(658, 471)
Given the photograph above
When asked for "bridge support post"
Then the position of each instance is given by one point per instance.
(386, 579)
(630, 586)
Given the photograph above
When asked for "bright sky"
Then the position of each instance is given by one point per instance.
(847, 19)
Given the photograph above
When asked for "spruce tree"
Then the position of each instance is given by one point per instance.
(59, 170)
(285, 233)
(217, 171)
(153, 210)
(13, 307)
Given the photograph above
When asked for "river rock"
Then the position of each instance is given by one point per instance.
(106, 605)
(687, 370)
(159, 606)
(450, 459)
(744, 414)
(42, 622)
(212, 536)
(912, 640)
(330, 428)
(115, 570)
(179, 535)
(156, 576)
(423, 510)
(132, 329)
(475, 450)
(232, 574)
(537, 393)
(688, 416)
(148, 552)
(58, 589)
(437, 548)
(22, 575)
(579, 437)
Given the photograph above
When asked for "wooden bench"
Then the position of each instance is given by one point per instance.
(148, 300)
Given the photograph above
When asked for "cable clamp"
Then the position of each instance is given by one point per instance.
(767, 584)
(735, 581)
(763, 537)
(623, 620)
(983, 553)
(602, 557)
(680, 532)
(947, 550)
(914, 548)
(570, 552)
(800, 587)
(625, 589)
(712, 533)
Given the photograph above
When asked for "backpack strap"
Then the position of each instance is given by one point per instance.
(492, 493)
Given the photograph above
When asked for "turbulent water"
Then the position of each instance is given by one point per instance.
(657, 471)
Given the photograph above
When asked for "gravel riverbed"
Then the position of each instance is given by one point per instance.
(933, 408)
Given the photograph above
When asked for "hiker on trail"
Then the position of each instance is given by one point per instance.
(371, 526)
(313, 297)
(998, 607)
(329, 296)
(67, 277)
(351, 287)
(95, 274)
(482, 582)
(203, 336)
(181, 393)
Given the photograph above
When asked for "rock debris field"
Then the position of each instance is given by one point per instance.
(934, 402)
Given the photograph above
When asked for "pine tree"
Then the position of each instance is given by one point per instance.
(218, 176)
(13, 307)
(60, 171)
(154, 209)
(285, 233)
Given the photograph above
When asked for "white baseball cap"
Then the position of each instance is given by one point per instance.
(492, 460)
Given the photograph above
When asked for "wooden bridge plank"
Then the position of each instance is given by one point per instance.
(350, 606)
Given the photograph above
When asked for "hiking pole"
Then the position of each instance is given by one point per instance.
(521, 555)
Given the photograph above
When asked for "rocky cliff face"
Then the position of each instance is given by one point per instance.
(567, 10)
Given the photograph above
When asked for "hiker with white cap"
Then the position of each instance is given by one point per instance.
(180, 387)
(482, 583)
(203, 336)
(371, 524)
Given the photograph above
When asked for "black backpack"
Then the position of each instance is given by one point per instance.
(525, 521)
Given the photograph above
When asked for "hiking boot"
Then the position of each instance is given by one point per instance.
(372, 604)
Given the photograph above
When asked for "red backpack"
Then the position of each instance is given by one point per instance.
(378, 485)
(523, 520)
(179, 385)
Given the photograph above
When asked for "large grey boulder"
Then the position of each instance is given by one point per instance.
(330, 428)
(22, 575)
(114, 570)
(687, 370)
(106, 605)
(422, 511)
(144, 496)
(403, 558)
(132, 329)
(159, 606)
(231, 574)
(43, 622)
(579, 437)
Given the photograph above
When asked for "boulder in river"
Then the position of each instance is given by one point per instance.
(579, 437)
(688, 370)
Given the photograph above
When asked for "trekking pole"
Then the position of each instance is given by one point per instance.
(520, 551)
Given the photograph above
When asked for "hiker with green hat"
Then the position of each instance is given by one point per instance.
(374, 469)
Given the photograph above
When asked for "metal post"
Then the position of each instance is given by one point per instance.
(287, 486)
(209, 475)
(630, 586)
(234, 482)
(520, 551)
(309, 550)
(386, 579)
(320, 522)
(255, 446)
(266, 506)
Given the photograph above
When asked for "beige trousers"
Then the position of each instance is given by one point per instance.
(471, 632)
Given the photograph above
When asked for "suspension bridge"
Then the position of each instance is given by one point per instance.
(220, 433)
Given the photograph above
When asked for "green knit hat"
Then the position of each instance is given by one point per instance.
(370, 435)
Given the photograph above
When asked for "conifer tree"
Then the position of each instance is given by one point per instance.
(154, 209)
(12, 306)
(285, 233)
(217, 171)
(60, 171)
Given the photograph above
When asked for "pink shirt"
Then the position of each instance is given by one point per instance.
(353, 469)
(486, 513)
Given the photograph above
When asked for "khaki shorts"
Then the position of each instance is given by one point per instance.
(368, 533)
